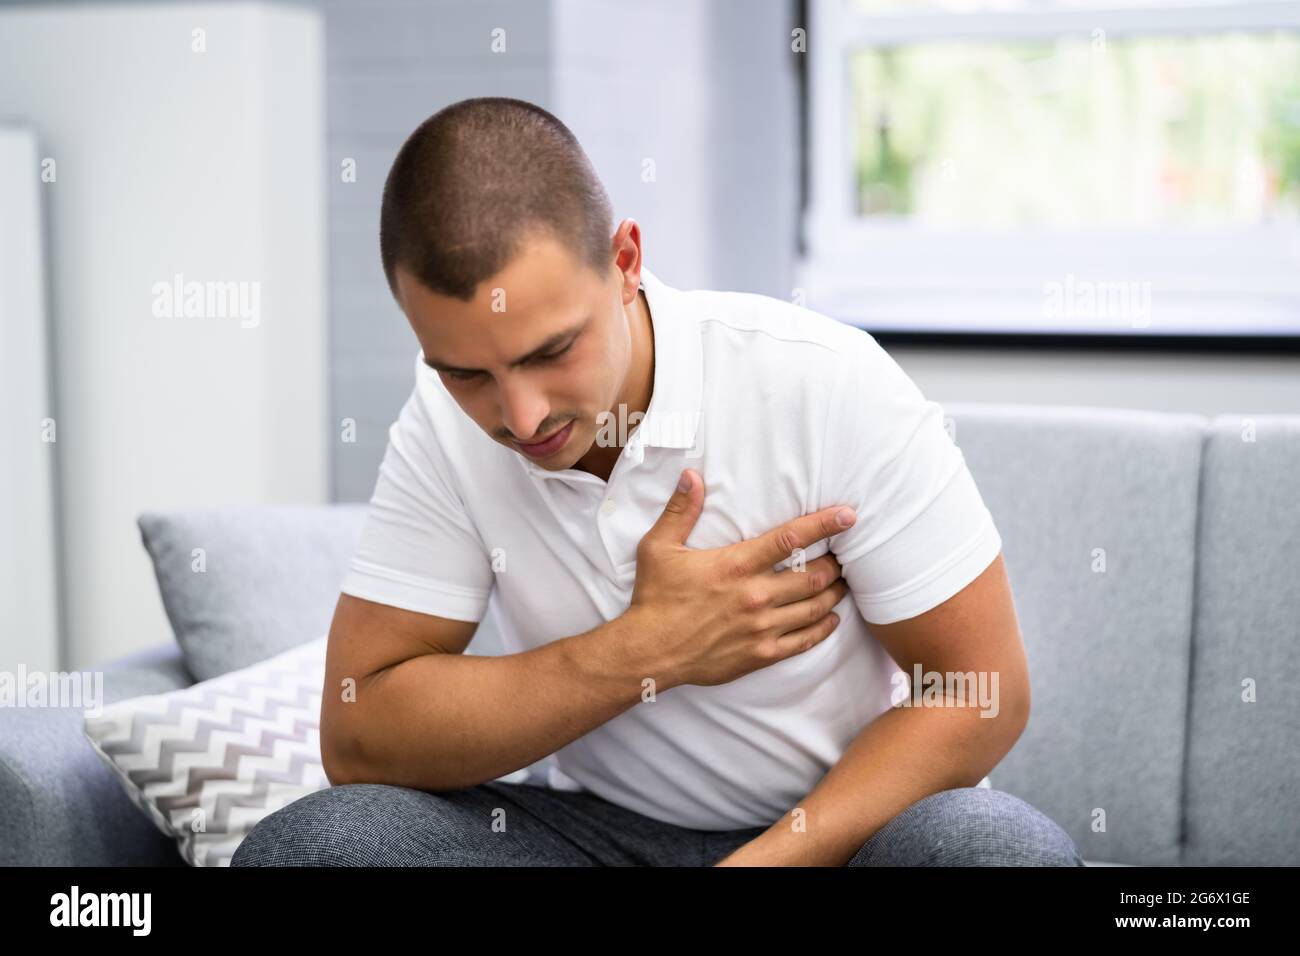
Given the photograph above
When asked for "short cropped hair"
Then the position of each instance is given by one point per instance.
(474, 180)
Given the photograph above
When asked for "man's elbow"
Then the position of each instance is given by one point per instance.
(1001, 722)
(343, 754)
(1012, 712)
(339, 764)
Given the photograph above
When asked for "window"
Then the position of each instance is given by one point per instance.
(1055, 168)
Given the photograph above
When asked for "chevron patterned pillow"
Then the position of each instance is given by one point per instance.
(206, 763)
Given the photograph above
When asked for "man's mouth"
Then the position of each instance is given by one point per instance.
(547, 446)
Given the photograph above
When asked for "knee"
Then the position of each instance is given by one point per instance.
(336, 826)
(969, 826)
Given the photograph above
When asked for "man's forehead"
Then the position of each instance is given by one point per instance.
(512, 290)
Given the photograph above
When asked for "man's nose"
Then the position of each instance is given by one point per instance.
(523, 409)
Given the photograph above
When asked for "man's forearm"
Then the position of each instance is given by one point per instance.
(901, 757)
(446, 721)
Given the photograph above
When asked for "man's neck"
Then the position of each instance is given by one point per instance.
(636, 393)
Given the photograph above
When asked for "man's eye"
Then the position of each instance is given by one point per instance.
(554, 355)
(461, 376)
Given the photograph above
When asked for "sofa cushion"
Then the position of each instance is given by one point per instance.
(1107, 643)
(1242, 768)
(240, 584)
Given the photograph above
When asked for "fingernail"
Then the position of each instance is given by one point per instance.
(845, 517)
(684, 482)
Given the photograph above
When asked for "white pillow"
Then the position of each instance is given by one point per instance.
(207, 762)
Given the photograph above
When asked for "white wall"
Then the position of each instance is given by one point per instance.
(171, 161)
(633, 86)
(709, 93)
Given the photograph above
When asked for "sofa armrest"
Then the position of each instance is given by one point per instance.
(59, 804)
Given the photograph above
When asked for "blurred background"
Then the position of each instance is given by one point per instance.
(1070, 203)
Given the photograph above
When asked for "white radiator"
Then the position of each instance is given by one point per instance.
(29, 620)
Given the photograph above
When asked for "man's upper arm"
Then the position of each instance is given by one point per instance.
(974, 631)
(365, 640)
(923, 531)
(419, 549)
(367, 637)
(418, 583)
(924, 559)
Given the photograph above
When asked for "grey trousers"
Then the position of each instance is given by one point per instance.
(519, 824)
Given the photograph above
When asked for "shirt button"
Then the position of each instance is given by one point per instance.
(608, 506)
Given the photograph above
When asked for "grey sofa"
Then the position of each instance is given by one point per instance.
(1154, 563)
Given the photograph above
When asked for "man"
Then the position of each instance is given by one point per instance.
(669, 495)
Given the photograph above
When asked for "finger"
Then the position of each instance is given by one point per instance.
(681, 511)
(799, 614)
(798, 641)
(789, 584)
(779, 544)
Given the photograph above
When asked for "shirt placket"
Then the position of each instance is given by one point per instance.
(616, 519)
(572, 499)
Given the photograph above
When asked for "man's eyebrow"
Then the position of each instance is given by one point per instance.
(551, 342)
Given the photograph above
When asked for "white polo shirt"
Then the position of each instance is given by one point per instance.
(783, 411)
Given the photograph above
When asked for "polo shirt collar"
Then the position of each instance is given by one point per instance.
(673, 417)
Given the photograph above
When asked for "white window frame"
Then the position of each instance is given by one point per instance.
(899, 276)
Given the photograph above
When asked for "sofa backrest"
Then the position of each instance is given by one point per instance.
(1243, 768)
(1149, 556)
